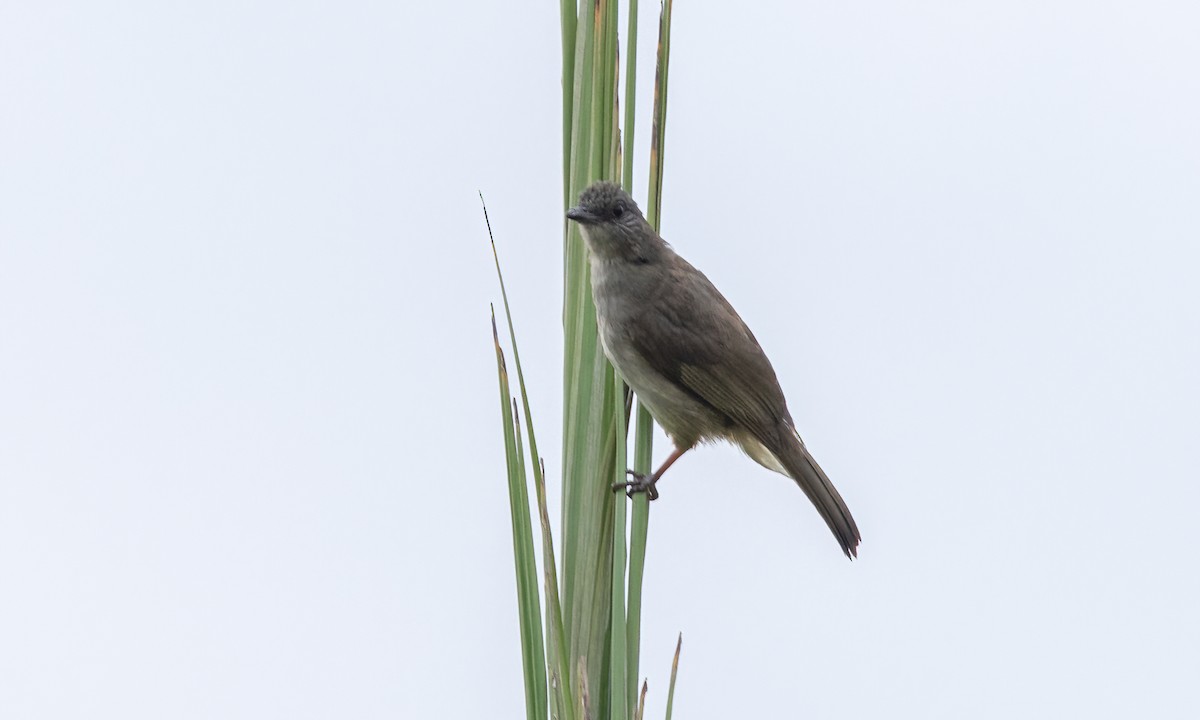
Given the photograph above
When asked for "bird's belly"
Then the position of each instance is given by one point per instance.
(682, 416)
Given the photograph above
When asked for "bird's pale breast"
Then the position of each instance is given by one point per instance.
(682, 416)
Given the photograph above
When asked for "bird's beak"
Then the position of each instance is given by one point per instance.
(581, 215)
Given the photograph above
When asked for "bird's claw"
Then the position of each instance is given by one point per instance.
(640, 483)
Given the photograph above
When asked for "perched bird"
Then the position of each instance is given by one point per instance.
(687, 354)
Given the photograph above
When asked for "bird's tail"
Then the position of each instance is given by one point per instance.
(802, 468)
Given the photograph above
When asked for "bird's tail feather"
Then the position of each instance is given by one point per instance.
(802, 468)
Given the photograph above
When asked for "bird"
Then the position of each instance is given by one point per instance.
(688, 356)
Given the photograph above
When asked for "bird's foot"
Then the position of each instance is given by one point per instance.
(639, 483)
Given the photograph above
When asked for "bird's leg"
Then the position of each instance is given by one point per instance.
(641, 483)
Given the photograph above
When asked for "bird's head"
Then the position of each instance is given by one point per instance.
(613, 225)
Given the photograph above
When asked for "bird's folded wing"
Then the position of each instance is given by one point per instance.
(742, 402)
(698, 341)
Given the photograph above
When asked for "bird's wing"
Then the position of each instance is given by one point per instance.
(697, 340)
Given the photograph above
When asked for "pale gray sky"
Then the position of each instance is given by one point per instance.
(250, 458)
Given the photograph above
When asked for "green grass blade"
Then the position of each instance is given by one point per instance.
(556, 653)
(512, 334)
(590, 617)
(612, 56)
(531, 611)
(658, 129)
(621, 697)
(588, 436)
(644, 437)
(528, 601)
(568, 20)
(674, 672)
(630, 96)
(601, 612)
(578, 312)
(556, 649)
(639, 527)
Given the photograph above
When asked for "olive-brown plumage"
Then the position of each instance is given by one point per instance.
(688, 355)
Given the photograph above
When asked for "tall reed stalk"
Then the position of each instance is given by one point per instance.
(586, 662)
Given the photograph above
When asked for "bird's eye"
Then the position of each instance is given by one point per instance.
(618, 211)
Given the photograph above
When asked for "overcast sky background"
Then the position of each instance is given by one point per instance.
(250, 458)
